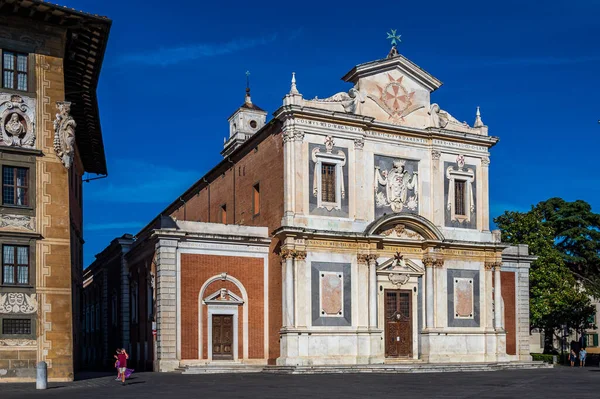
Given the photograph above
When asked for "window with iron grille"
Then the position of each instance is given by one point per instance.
(459, 194)
(15, 186)
(16, 326)
(328, 182)
(15, 265)
(14, 70)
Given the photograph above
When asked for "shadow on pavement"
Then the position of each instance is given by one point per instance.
(91, 375)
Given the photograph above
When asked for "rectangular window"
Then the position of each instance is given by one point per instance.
(16, 326)
(15, 265)
(591, 340)
(224, 214)
(15, 186)
(459, 197)
(256, 199)
(328, 182)
(14, 70)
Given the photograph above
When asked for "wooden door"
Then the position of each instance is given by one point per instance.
(398, 323)
(222, 337)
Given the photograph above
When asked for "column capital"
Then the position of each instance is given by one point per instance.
(428, 262)
(299, 254)
(433, 262)
(438, 263)
(285, 254)
(495, 265)
(366, 258)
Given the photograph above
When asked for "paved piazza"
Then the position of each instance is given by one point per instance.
(549, 383)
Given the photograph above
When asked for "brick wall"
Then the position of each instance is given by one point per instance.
(262, 164)
(508, 296)
(195, 271)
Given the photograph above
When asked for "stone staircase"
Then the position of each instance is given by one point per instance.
(394, 368)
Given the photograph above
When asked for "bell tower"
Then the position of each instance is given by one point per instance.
(247, 120)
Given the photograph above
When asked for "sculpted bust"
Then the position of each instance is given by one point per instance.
(14, 126)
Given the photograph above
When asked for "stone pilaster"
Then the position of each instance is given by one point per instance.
(301, 299)
(488, 314)
(485, 194)
(360, 212)
(429, 295)
(497, 298)
(288, 172)
(166, 306)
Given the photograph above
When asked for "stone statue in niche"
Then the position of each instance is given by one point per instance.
(398, 183)
(16, 120)
(64, 134)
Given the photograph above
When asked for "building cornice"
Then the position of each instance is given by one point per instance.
(369, 123)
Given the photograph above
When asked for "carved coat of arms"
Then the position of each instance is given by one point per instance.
(398, 183)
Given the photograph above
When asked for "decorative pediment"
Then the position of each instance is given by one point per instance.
(223, 297)
(401, 231)
(400, 265)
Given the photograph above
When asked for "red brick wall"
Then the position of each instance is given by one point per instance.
(195, 271)
(510, 312)
(265, 166)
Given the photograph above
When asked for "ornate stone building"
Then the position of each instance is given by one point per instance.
(50, 135)
(352, 229)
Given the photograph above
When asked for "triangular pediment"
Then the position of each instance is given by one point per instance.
(403, 266)
(223, 296)
(398, 63)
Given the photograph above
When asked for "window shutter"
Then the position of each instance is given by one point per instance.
(595, 339)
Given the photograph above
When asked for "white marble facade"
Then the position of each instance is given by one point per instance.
(407, 216)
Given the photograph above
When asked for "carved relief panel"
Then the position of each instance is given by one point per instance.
(396, 186)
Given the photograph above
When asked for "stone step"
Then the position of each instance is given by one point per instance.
(417, 367)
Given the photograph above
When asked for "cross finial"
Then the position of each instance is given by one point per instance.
(248, 99)
(395, 38)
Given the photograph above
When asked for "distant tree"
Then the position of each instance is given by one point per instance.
(577, 237)
(556, 299)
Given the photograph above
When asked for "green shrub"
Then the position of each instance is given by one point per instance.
(542, 357)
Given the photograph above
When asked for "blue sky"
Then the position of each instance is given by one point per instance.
(174, 72)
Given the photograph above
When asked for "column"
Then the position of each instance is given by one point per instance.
(287, 296)
(497, 297)
(428, 262)
(372, 259)
(298, 176)
(288, 177)
(485, 197)
(489, 309)
(300, 297)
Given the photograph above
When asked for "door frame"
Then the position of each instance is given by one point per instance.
(411, 320)
(223, 310)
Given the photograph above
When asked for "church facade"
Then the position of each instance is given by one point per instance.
(352, 229)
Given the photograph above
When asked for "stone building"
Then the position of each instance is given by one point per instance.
(352, 229)
(50, 136)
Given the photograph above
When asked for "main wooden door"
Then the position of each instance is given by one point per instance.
(222, 337)
(398, 323)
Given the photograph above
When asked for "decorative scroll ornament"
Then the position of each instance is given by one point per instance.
(350, 101)
(400, 231)
(16, 302)
(398, 279)
(397, 182)
(20, 221)
(18, 342)
(16, 121)
(64, 133)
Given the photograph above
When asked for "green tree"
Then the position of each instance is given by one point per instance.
(555, 297)
(577, 237)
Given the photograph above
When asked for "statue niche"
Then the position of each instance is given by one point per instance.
(16, 121)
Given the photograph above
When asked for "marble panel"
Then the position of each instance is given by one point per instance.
(460, 300)
(331, 298)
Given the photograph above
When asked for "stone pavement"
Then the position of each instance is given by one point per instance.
(560, 382)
